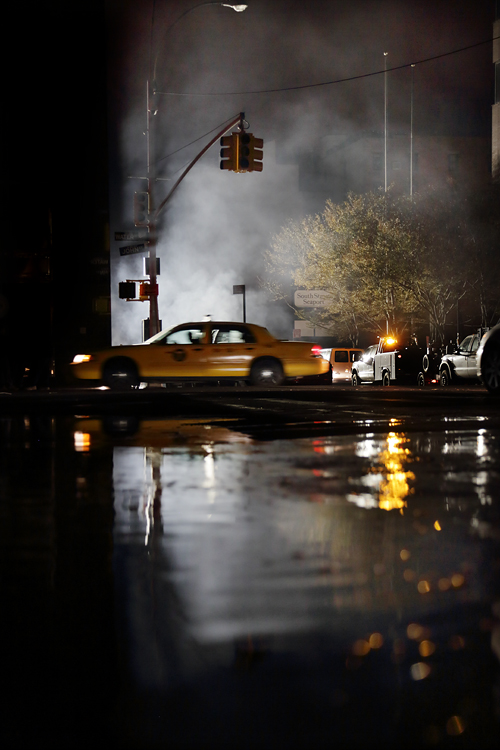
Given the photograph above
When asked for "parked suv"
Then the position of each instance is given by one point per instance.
(460, 366)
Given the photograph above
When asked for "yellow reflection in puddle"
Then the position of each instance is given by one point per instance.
(395, 487)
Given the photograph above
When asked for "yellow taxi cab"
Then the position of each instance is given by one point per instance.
(209, 350)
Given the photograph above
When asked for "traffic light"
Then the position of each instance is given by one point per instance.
(230, 152)
(255, 154)
(126, 290)
(141, 209)
(241, 152)
(244, 152)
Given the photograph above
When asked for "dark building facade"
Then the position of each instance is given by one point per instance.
(495, 124)
(54, 251)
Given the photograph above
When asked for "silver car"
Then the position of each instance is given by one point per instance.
(363, 370)
(488, 360)
(461, 365)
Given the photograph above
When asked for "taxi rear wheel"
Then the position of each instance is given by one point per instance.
(120, 374)
(266, 372)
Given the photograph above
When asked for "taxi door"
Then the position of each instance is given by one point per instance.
(232, 350)
(181, 353)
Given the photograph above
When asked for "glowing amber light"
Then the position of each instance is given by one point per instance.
(420, 670)
(457, 580)
(360, 647)
(423, 587)
(414, 631)
(82, 442)
(395, 488)
(437, 526)
(455, 725)
(426, 648)
(405, 555)
(376, 640)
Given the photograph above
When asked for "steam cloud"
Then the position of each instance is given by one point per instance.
(217, 224)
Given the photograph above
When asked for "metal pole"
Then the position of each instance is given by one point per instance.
(244, 306)
(385, 121)
(411, 132)
(154, 322)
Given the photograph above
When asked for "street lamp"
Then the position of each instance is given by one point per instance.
(385, 121)
(154, 322)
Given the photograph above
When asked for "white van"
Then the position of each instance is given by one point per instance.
(341, 360)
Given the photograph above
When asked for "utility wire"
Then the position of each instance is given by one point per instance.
(195, 141)
(338, 80)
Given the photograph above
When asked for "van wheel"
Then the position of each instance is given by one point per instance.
(386, 380)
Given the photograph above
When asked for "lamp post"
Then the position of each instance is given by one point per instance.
(411, 131)
(385, 121)
(154, 322)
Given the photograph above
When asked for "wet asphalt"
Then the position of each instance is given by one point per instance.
(236, 567)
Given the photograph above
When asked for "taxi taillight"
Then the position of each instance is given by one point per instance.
(316, 350)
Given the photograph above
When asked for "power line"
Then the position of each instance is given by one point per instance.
(338, 80)
(195, 140)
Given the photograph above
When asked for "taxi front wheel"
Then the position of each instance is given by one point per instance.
(266, 372)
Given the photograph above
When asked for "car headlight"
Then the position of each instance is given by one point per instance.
(79, 358)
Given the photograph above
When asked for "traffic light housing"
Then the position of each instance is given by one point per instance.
(229, 153)
(141, 209)
(241, 152)
(126, 290)
(253, 152)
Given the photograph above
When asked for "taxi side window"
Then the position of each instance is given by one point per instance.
(226, 334)
(185, 336)
(342, 356)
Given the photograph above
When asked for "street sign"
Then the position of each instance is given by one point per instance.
(312, 298)
(133, 249)
(238, 289)
(132, 234)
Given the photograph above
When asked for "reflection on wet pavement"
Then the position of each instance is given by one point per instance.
(296, 593)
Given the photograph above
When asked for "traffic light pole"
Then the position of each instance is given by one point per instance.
(237, 120)
(154, 318)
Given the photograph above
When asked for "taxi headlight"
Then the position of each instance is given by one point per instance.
(79, 358)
